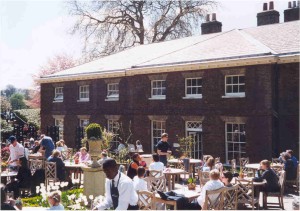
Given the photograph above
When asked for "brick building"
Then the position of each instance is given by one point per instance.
(235, 92)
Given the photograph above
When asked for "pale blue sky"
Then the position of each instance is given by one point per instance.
(33, 31)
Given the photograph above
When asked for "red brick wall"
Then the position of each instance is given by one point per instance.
(134, 105)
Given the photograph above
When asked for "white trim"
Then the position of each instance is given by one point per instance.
(235, 95)
(57, 101)
(157, 97)
(190, 97)
(86, 91)
(83, 100)
(187, 96)
(112, 99)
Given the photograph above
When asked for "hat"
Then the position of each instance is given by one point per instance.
(12, 138)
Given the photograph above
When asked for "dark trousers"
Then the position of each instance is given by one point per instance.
(163, 159)
(135, 207)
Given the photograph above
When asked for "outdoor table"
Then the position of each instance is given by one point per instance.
(6, 176)
(255, 166)
(193, 163)
(72, 167)
(36, 156)
(170, 174)
(189, 194)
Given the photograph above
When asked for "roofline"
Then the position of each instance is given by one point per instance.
(188, 66)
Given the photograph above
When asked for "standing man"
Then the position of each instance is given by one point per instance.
(119, 189)
(16, 151)
(48, 144)
(163, 148)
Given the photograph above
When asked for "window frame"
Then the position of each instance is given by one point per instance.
(84, 99)
(187, 96)
(81, 122)
(153, 138)
(56, 98)
(158, 97)
(115, 96)
(60, 127)
(235, 94)
(235, 142)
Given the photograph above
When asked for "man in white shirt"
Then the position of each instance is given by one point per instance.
(16, 151)
(138, 181)
(156, 164)
(120, 193)
(213, 184)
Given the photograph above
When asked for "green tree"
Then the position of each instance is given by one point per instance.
(5, 104)
(8, 91)
(17, 101)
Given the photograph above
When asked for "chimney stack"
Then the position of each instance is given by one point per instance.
(267, 17)
(211, 26)
(292, 12)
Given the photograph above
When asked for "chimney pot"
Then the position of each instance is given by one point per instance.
(271, 5)
(290, 4)
(207, 18)
(298, 4)
(265, 7)
(294, 4)
(214, 17)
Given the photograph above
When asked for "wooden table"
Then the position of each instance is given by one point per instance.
(170, 174)
(193, 163)
(189, 194)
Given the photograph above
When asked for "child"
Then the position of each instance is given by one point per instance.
(138, 181)
(54, 201)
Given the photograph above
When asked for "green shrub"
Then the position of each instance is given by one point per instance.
(94, 130)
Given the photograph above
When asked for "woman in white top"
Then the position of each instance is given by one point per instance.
(156, 164)
(139, 146)
(209, 165)
(139, 183)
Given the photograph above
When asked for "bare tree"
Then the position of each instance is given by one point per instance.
(111, 26)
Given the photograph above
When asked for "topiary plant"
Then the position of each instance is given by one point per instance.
(93, 131)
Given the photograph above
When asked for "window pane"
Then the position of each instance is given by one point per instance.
(242, 88)
(189, 82)
(229, 89)
(163, 91)
(235, 88)
(242, 79)
(194, 82)
(199, 90)
(194, 90)
(235, 79)
(189, 91)
(228, 80)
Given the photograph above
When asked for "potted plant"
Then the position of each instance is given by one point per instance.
(191, 183)
(94, 138)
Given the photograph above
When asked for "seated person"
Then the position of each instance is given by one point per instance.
(54, 199)
(270, 176)
(156, 164)
(23, 178)
(209, 165)
(82, 155)
(103, 157)
(226, 178)
(213, 184)
(139, 146)
(121, 145)
(133, 166)
(138, 181)
(59, 146)
(291, 173)
(293, 158)
(63, 144)
(36, 147)
(60, 166)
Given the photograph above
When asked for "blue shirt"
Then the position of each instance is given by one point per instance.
(49, 146)
(295, 161)
(58, 207)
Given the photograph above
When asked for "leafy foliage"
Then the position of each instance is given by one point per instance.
(17, 101)
(112, 26)
(93, 130)
(5, 127)
(186, 145)
(5, 104)
(31, 116)
(191, 180)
